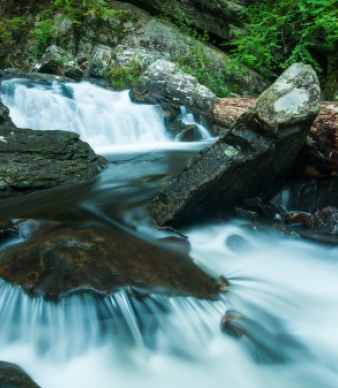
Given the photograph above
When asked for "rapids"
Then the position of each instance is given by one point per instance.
(286, 290)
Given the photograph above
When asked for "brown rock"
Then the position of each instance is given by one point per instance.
(67, 259)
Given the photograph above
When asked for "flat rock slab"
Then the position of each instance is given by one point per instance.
(33, 159)
(68, 257)
(12, 376)
(262, 144)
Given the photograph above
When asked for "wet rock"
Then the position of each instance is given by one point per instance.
(68, 259)
(262, 145)
(228, 324)
(324, 221)
(32, 159)
(237, 243)
(5, 120)
(165, 84)
(12, 376)
(190, 133)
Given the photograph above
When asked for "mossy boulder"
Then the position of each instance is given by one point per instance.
(33, 159)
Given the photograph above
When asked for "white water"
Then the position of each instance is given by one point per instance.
(101, 117)
(286, 290)
(188, 118)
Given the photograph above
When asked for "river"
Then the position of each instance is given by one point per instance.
(285, 289)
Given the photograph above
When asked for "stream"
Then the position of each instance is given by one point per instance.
(285, 289)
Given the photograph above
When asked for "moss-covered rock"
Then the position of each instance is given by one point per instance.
(32, 159)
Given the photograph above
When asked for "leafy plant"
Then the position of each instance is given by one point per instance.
(281, 33)
(125, 77)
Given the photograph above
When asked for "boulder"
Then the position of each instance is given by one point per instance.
(68, 257)
(165, 84)
(261, 146)
(12, 376)
(33, 159)
(5, 120)
(319, 155)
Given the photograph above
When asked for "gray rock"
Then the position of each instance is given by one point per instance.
(262, 144)
(165, 84)
(32, 159)
(12, 376)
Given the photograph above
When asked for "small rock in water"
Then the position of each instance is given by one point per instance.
(228, 327)
(12, 376)
(237, 243)
(190, 133)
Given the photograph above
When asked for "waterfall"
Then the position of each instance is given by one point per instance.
(188, 118)
(284, 289)
(101, 117)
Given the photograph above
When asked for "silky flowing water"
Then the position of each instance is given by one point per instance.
(285, 289)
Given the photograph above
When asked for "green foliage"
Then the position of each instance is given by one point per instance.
(122, 78)
(280, 33)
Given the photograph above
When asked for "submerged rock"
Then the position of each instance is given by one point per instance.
(165, 84)
(73, 257)
(12, 376)
(190, 133)
(33, 159)
(262, 144)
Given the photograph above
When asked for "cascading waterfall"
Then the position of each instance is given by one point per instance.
(285, 289)
(101, 117)
(188, 118)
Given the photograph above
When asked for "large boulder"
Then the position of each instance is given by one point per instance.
(319, 155)
(33, 159)
(262, 144)
(63, 258)
(165, 84)
(12, 376)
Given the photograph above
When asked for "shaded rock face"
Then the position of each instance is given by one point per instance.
(33, 159)
(12, 376)
(218, 17)
(165, 84)
(65, 258)
(5, 120)
(262, 144)
(310, 195)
